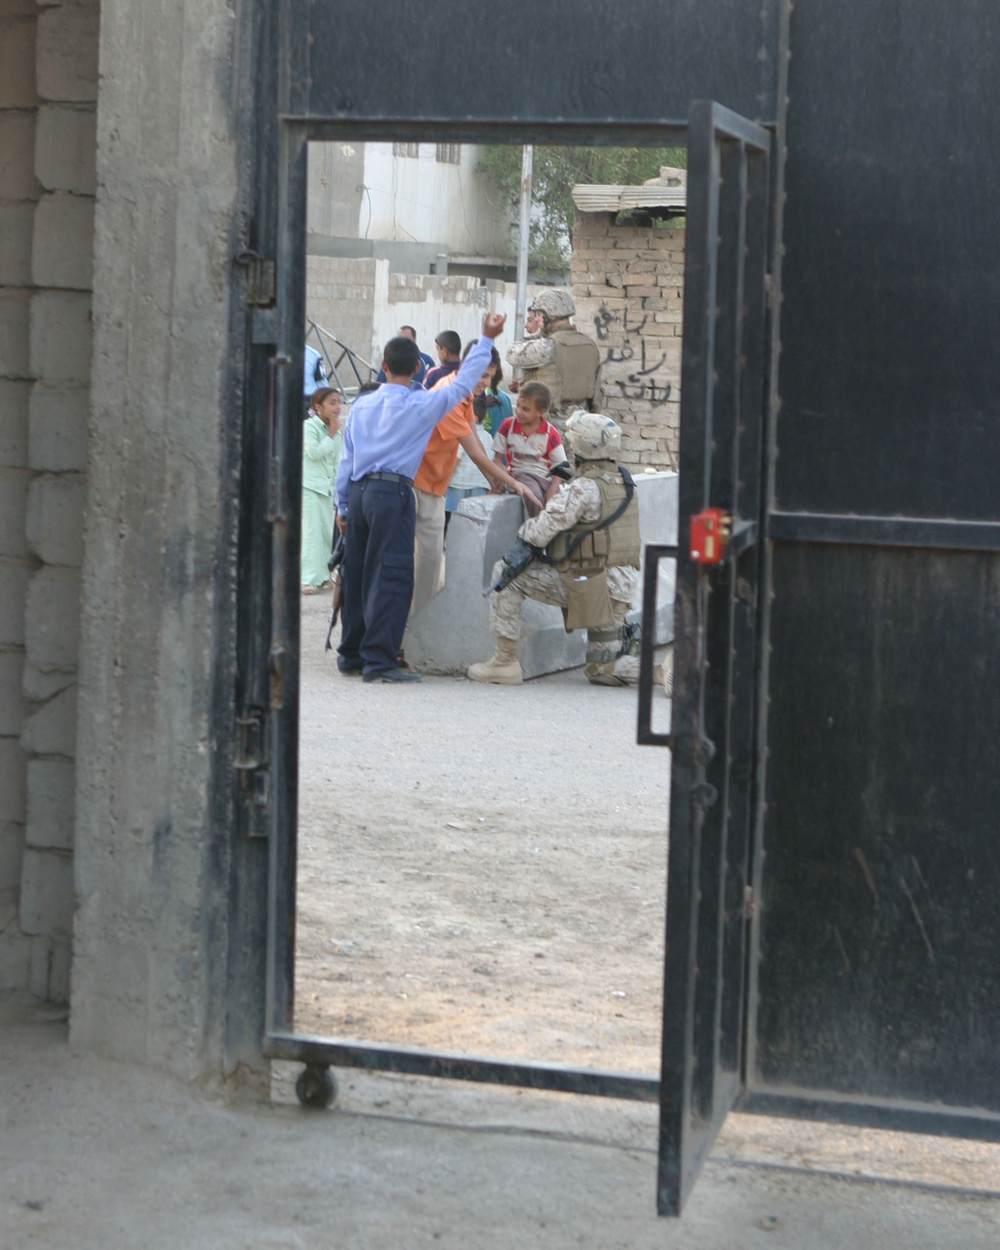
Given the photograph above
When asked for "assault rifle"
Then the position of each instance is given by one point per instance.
(336, 566)
(515, 561)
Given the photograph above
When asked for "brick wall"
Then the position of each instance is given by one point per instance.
(628, 284)
(48, 90)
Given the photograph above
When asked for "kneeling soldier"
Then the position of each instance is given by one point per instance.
(587, 539)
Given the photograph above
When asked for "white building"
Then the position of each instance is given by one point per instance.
(421, 206)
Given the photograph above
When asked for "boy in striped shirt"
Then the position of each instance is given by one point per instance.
(530, 447)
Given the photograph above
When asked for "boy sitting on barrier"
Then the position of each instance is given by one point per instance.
(530, 447)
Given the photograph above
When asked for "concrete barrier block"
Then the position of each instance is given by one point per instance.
(46, 892)
(52, 619)
(15, 335)
(61, 336)
(52, 729)
(67, 51)
(15, 398)
(54, 519)
(58, 421)
(17, 60)
(16, 225)
(452, 631)
(51, 804)
(48, 975)
(62, 253)
(11, 698)
(17, 155)
(13, 782)
(66, 148)
(14, 577)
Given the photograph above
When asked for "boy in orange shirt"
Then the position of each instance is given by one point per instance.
(457, 428)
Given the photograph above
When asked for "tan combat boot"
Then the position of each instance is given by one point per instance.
(502, 668)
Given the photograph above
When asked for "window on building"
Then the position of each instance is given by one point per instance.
(449, 153)
(406, 149)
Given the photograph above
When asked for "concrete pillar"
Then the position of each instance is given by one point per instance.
(154, 783)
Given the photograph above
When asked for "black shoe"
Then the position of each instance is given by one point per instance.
(391, 674)
(353, 670)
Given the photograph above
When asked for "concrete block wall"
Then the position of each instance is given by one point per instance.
(48, 92)
(363, 305)
(628, 284)
(341, 297)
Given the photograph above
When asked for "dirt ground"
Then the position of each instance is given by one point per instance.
(481, 869)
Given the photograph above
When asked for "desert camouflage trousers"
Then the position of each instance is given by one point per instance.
(541, 582)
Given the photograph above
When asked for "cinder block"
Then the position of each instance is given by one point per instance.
(15, 950)
(62, 253)
(16, 224)
(61, 336)
(15, 331)
(39, 686)
(15, 398)
(54, 518)
(11, 700)
(17, 61)
(11, 857)
(66, 148)
(13, 504)
(58, 419)
(17, 155)
(14, 575)
(52, 619)
(13, 781)
(48, 977)
(46, 892)
(67, 52)
(52, 729)
(51, 804)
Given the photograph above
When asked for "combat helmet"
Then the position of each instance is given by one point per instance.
(554, 302)
(592, 436)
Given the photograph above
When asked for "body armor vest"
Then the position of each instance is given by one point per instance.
(615, 545)
(578, 360)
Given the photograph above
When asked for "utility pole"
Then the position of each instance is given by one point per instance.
(523, 235)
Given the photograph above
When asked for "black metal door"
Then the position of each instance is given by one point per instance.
(715, 660)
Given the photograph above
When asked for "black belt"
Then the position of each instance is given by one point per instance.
(382, 476)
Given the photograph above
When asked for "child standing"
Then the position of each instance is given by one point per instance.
(530, 446)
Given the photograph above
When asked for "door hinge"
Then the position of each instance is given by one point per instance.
(260, 277)
(250, 759)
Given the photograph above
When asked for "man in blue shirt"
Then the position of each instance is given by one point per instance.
(408, 332)
(384, 437)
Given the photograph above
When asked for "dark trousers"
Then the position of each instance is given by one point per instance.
(378, 574)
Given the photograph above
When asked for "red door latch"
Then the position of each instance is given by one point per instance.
(710, 530)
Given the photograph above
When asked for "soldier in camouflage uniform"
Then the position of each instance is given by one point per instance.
(567, 361)
(599, 573)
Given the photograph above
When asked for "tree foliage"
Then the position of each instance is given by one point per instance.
(556, 170)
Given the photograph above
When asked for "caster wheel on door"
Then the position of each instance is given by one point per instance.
(316, 1086)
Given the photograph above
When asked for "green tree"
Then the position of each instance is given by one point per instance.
(556, 170)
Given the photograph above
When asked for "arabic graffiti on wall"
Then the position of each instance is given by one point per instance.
(640, 383)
